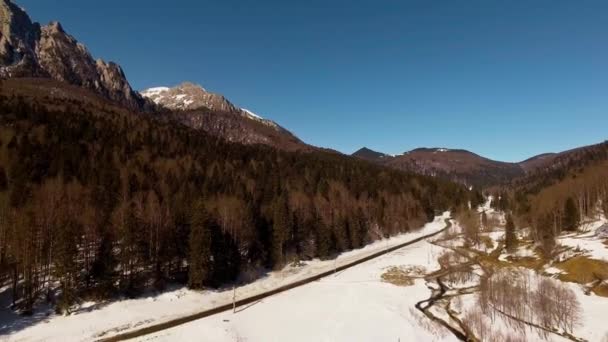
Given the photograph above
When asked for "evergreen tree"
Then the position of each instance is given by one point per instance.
(571, 215)
(547, 234)
(200, 267)
(510, 236)
(504, 203)
(66, 267)
(3, 180)
(280, 230)
(102, 270)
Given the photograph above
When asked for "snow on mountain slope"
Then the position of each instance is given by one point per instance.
(189, 96)
(253, 116)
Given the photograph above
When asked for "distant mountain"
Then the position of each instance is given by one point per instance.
(456, 165)
(468, 168)
(370, 155)
(538, 161)
(194, 106)
(452, 164)
(547, 169)
(28, 49)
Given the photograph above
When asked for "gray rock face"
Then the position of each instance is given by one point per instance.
(29, 50)
(18, 40)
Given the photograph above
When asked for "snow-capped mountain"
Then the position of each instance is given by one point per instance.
(194, 106)
(189, 96)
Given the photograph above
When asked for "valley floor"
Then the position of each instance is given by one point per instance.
(100, 320)
(427, 291)
(365, 303)
(353, 305)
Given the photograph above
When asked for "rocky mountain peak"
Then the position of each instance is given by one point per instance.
(189, 96)
(18, 40)
(29, 50)
(55, 26)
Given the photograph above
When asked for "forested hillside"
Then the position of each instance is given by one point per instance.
(97, 201)
(560, 195)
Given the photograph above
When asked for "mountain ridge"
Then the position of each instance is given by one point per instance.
(194, 106)
(467, 167)
(28, 49)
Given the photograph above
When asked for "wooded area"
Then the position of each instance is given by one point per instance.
(561, 197)
(96, 203)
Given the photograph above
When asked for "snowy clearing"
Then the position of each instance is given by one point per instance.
(354, 305)
(589, 242)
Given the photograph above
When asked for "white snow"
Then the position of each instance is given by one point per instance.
(589, 241)
(154, 91)
(353, 305)
(553, 270)
(385, 301)
(252, 114)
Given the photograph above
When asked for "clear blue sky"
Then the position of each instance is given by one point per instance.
(505, 79)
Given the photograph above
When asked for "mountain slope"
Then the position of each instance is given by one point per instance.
(455, 165)
(28, 49)
(97, 179)
(471, 169)
(195, 107)
(370, 155)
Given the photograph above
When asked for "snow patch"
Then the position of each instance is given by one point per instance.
(591, 241)
(154, 91)
(251, 114)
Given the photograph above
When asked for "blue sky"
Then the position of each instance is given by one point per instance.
(505, 79)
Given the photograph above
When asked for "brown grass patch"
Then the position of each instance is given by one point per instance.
(583, 270)
(601, 290)
(527, 262)
(403, 275)
(487, 241)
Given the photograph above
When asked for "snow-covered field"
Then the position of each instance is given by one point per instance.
(588, 242)
(95, 320)
(353, 305)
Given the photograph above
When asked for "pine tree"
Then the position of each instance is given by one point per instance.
(200, 247)
(510, 236)
(280, 230)
(3, 180)
(546, 234)
(504, 204)
(571, 215)
(66, 267)
(484, 221)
